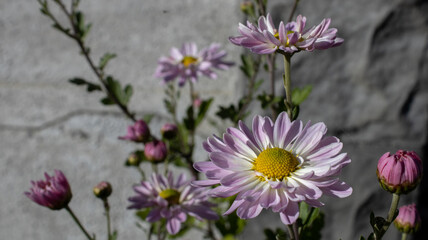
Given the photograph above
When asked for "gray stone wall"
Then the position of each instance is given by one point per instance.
(371, 92)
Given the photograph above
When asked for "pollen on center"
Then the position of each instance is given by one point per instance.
(188, 60)
(275, 163)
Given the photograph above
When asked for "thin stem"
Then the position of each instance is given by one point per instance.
(78, 223)
(296, 231)
(189, 155)
(296, 2)
(390, 217)
(271, 63)
(404, 236)
(291, 232)
(107, 209)
(143, 175)
(287, 85)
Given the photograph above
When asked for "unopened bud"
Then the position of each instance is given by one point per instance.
(155, 151)
(408, 219)
(169, 131)
(134, 159)
(103, 190)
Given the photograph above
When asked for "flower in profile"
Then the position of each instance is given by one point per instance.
(288, 38)
(155, 151)
(276, 165)
(408, 219)
(399, 173)
(139, 132)
(54, 192)
(172, 200)
(188, 63)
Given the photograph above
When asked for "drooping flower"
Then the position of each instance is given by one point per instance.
(188, 63)
(288, 38)
(399, 173)
(54, 192)
(276, 165)
(172, 200)
(155, 151)
(139, 132)
(408, 219)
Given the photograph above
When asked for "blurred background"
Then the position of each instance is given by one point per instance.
(371, 92)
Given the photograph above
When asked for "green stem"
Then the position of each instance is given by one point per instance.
(296, 2)
(296, 231)
(291, 232)
(107, 209)
(143, 175)
(404, 236)
(287, 85)
(78, 223)
(390, 217)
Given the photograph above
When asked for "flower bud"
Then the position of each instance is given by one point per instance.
(139, 132)
(134, 159)
(169, 131)
(399, 173)
(103, 190)
(54, 193)
(155, 151)
(408, 219)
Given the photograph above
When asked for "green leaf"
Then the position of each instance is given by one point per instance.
(148, 118)
(105, 59)
(258, 84)
(247, 66)
(299, 95)
(90, 87)
(189, 121)
(315, 223)
(304, 210)
(113, 236)
(122, 95)
(107, 101)
(203, 109)
(127, 93)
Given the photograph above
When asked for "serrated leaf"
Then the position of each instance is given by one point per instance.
(203, 109)
(299, 95)
(105, 59)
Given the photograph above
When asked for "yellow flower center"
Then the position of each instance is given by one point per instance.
(170, 195)
(275, 163)
(188, 60)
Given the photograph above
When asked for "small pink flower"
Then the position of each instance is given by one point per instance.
(172, 200)
(188, 63)
(139, 132)
(169, 130)
(54, 192)
(288, 38)
(197, 102)
(155, 151)
(408, 219)
(399, 173)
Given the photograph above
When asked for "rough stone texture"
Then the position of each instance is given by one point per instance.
(371, 92)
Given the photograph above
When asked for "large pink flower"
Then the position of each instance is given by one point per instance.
(288, 38)
(276, 165)
(188, 63)
(172, 201)
(54, 192)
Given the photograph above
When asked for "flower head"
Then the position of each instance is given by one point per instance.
(54, 192)
(155, 151)
(188, 63)
(276, 165)
(139, 132)
(408, 219)
(172, 200)
(399, 173)
(288, 38)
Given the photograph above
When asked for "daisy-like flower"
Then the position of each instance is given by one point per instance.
(276, 165)
(188, 63)
(288, 38)
(172, 201)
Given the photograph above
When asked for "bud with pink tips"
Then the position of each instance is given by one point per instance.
(54, 192)
(408, 219)
(155, 151)
(139, 132)
(399, 173)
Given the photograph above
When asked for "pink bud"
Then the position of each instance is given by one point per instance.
(103, 190)
(408, 219)
(54, 192)
(139, 132)
(399, 173)
(155, 151)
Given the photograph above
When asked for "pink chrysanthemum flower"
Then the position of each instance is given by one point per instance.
(188, 63)
(54, 192)
(288, 38)
(172, 201)
(276, 165)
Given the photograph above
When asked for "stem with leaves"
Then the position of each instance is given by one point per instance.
(78, 34)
